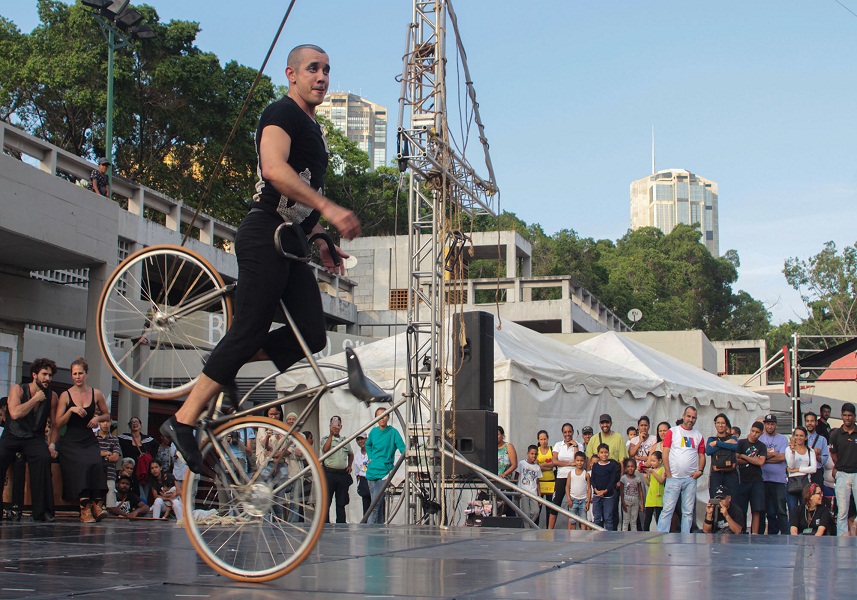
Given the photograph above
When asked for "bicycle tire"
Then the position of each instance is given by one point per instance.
(236, 530)
(151, 336)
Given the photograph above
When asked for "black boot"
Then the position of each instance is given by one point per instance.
(182, 436)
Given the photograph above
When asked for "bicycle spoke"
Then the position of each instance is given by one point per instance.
(254, 536)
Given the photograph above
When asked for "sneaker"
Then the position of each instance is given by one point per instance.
(182, 436)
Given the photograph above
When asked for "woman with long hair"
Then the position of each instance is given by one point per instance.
(563, 459)
(142, 448)
(800, 463)
(722, 449)
(84, 479)
(544, 458)
(662, 429)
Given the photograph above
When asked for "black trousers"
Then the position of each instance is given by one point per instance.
(35, 452)
(265, 277)
(337, 485)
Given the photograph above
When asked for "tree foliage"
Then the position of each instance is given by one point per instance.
(174, 105)
(672, 278)
(827, 283)
(374, 196)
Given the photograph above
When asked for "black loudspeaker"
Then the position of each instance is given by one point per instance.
(474, 362)
(475, 439)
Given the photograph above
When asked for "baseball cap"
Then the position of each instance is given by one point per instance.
(720, 492)
(770, 418)
(360, 436)
(848, 407)
(605, 417)
(103, 161)
(586, 430)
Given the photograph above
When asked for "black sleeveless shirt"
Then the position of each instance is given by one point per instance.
(33, 423)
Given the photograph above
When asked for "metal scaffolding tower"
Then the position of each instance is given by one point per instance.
(443, 186)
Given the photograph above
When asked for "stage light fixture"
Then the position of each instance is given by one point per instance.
(128, 18)
(143, 32)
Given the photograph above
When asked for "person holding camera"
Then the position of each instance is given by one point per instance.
(721, 515)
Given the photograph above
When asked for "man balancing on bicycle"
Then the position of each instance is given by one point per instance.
(293, 157)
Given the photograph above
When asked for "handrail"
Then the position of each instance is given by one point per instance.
(54, 160)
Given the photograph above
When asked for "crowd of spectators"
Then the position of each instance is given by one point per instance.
(764, 483)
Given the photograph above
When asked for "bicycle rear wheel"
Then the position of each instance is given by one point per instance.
(260, 526)
(161, 311)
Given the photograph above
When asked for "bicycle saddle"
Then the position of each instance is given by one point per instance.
(361, 386)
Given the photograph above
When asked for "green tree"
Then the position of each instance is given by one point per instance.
(174, 104)
(827, 283)
(677, 284)
(375, 196)
(14, 51)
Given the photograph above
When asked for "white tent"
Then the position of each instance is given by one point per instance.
(683, 382)
(685, 385)
(539, 383)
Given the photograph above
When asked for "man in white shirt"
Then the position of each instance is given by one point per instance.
(684, 462)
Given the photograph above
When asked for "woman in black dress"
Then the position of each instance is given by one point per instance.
(79, 452)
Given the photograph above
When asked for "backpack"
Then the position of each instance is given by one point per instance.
(142, 469)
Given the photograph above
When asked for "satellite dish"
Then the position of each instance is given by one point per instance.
(634, 315)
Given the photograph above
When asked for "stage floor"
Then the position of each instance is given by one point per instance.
(141, 560)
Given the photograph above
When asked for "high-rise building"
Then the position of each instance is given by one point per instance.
(673, 196)
(362, 121)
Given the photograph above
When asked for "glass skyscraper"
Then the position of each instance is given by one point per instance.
(362, 121)
(667, 198)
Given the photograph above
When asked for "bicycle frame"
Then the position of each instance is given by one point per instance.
(212, 421)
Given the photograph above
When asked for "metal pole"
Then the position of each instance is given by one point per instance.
(449, 450)
(108, 136)
(795, 382)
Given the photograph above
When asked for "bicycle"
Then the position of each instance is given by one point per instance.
(155, 312)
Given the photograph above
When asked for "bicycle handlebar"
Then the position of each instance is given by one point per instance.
(305, 243)
(321, 235)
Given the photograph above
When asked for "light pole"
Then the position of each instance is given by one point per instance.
(120, 24)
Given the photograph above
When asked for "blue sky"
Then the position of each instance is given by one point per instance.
(757, 95)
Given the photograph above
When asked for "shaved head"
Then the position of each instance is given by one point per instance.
(294, 60)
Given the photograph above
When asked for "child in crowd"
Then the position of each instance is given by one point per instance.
(578, 490)
(655, 476)
(631, 488)
(630, 434)
(167, 498)
(529, 473)
(604, 477)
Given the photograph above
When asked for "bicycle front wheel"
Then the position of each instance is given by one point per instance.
(259, 526)
(161, 312)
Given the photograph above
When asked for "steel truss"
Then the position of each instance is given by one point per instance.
(442, 186)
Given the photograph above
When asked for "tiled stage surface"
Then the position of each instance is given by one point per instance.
(142, 560)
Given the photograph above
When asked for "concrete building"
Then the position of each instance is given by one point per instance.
(676, 196)
(544, 304)
(362, 121)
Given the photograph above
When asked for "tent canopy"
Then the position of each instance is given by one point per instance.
(681, 380)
